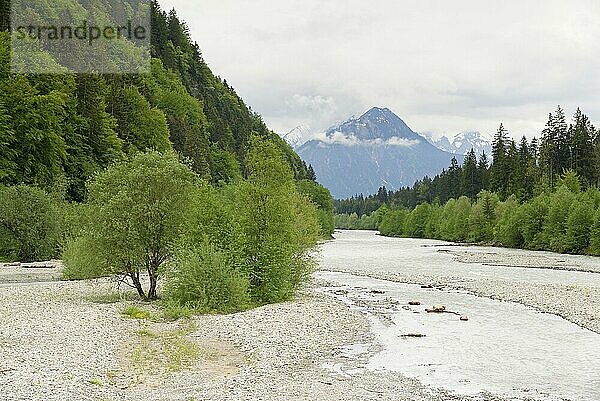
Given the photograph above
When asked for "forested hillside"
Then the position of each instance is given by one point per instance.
(59, 130)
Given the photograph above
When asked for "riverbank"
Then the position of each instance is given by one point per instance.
(70, 340)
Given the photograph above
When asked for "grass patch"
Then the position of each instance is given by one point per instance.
(172, 311)
(133, 312)
(146, 333)
(169, 351)
(96, 382)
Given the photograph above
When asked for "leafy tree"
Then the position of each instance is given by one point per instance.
(392, 224)
(137, 210)
(140, 126)
(34, 125)
(483, 217)
(416, 223)
(321, 197)
(29, 224)
(508, 230)
(279, 225)
(224, 166)
(595, 235)
(555, 224)
(578, 228)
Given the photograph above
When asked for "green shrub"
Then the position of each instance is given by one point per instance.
(205, 281)
(29, 224)
(82, 261)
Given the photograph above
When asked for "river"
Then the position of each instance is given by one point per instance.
(504, 348)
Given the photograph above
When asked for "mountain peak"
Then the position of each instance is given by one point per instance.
(377, 123)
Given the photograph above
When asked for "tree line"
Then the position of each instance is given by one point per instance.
(565, 220)
(523, 169)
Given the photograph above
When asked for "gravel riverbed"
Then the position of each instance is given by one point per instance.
(70, 340)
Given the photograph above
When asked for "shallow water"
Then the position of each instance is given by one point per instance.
(504, 348)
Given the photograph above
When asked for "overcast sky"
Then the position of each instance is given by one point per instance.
(443, 66)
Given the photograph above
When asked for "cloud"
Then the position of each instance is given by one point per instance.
(339, 138)
(312, 103)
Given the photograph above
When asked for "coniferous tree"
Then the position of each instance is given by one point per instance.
(500, 167)
(515, 171)
(311, 173)
(581, 134)
(563, 141)
(455, 177)
(549, 154)
(483, 172)
(469, 180)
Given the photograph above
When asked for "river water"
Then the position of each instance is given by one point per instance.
(504, 348)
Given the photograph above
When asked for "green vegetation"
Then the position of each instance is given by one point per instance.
(29, 224)
(134, 312)
(249, 242)
(537, 195)
(221, 249)
(566, 220)
(164, 175)
(163, 352)
(96, 382)
(135, 211)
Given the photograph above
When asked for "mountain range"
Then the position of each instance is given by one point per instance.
(462, 143)
(363, 154)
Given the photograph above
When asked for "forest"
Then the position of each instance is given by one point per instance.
(167, 175)
(540, 195)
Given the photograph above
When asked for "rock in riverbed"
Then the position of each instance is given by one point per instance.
(436, 309)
